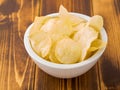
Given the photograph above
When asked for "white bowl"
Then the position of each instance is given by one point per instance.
(64, 70)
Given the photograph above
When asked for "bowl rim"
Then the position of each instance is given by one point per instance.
(40, 60)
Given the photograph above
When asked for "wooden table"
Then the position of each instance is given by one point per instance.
(19, 72)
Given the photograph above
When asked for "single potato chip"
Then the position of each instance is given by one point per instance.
(96, 22)
(79, 26)
(63, 28)
(57, 29)
(69, 18)
(52, 56)
(85, 37)
(64, 16)
(48, 26)
(41, 43)
(75, 20)
(95, 45)
(67, 51)
(38, 22)
(63, 13)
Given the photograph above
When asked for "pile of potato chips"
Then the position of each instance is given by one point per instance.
(66, 38)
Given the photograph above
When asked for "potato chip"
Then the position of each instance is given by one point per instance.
(38, 22)
(63, 28)
(64, 16)
(96, 22)
(85, 37)
(47, 27)
(52, 56)
(63, 13)
(69, 18)
(75, 20)
(57, 29)
(67, 51)
(92, 49)
(41, 43)
(79, 26)
(95, 45)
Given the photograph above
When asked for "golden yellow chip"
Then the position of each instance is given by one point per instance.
(64, 16)
(85, 37)
(69, 18)
(38, 22)
(95, 45)
(41, 43)
(96, 22)
(52, 56)
(63, 28)
(67, 51)
(57, 29)
(92, 49)
(76, 20)
(79, 26)
(48, 26)
(63, 13)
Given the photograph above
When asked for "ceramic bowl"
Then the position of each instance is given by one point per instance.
(64, 70)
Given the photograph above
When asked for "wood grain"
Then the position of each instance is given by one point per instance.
(16, 67)
(19, 72)
(109, 65)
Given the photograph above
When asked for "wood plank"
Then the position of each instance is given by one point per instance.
(16, 67)
(90, 80)
(3, 55)
(109, 65)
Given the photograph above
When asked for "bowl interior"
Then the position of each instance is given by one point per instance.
(63, 66)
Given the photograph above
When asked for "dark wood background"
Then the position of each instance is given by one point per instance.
(19, 72)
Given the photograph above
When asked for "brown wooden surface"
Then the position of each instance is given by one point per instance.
(19, 72)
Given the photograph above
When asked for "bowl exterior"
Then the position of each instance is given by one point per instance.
(66, 73)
